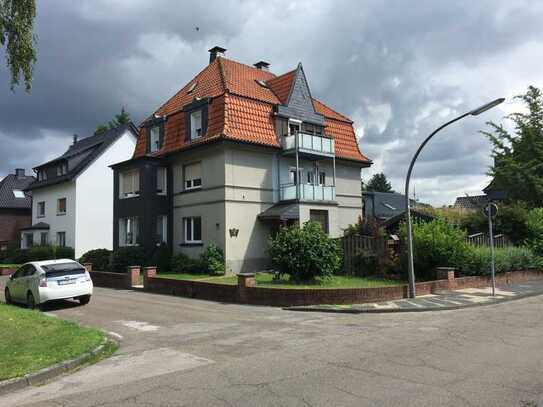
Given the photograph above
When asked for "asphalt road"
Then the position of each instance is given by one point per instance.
(182, 352)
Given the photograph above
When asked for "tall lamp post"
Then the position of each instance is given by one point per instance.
(410, 264)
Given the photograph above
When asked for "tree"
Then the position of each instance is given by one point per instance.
(16, 34)
(518, 157)
(118, 120)
(379, 183)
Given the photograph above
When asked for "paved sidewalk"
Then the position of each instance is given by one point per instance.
(446, 300)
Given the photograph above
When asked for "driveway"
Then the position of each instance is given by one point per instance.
(178, 351)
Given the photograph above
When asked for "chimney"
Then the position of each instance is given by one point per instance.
(75, 139)
(19, 172)
(262, 65)
(215, 52)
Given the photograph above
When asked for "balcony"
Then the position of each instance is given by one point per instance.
(310, 144)
(308, 192)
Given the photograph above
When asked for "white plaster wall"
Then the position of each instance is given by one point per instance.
(58, 223)
(94, 189)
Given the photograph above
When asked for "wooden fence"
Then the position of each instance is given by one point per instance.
(354, 245)
(480, 239)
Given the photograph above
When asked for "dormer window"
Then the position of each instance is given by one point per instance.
(62, 169)
(155, 141)
(192, 87)
(196, 125)
(42, 175)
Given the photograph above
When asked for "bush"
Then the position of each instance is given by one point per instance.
(304, 254)
(435, 244)
(535, 228)
(124, 257)
(161, 258)
(64, 252)
(100, 259)
(365, 264)
(507, 259)
(213, 259)
(183, 264)
(39, 253)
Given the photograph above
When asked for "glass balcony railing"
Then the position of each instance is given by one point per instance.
(310, 143)
(308, 192)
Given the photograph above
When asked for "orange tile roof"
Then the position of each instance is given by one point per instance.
(241, 109)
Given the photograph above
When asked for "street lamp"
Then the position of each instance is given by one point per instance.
(410, 264)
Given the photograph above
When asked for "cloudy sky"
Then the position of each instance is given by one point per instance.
(397, 68)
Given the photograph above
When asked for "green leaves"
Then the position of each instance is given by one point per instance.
(379, 183)
(305, 253)
(16, 34)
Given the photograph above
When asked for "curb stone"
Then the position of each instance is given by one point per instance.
(48, 373)
(315, 308)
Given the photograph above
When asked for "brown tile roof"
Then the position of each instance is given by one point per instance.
(242, 109)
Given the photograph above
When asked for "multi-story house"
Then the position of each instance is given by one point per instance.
(15, 207)
(236, 153)
(72, 198)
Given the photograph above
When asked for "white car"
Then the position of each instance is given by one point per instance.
(37, 282)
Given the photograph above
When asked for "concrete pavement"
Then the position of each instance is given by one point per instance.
(178, 351)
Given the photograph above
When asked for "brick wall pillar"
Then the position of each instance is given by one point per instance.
(88, 267)
(148, 272)
(245, 280)
(133, 276)
(446, 273)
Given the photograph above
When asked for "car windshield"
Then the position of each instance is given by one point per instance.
(63, 269)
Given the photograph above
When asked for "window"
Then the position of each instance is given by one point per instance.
(193, 229)
(41, 209)
(196, 124)
(312, 129)
(294, 128)
(62, 169)
(128, 231)
(61, 206)
(154, 139)
(129, 184)
(162, 229)
(292, 178)
(193, 176)
(311, 177)
(322, 178)
(29, 240)
(42, 175)
(192, 87)
(44, 238)
(18, 193)
(61, 239)
(320, 217)
(29, 270)
(161, 181)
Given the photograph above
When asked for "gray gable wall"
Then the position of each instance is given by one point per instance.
(300, 103)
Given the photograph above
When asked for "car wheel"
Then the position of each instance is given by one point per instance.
(7, 294)
(83, 300)
(30, 301)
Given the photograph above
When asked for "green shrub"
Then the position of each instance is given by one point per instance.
(435, 244)
(124, 257)
(304, 254)
(213, 259)
(161, 258)
(100, 259)
(507, 259)
(365, 264)
(39, 253)
(183, 264)
(65, 252)
(535, 228)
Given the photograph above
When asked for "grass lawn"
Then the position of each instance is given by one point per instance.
(9, 266)
(266, 280)
(30, 341)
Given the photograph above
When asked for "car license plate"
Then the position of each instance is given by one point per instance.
(65, 282)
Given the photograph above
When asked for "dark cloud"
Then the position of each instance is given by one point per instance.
(398, 68)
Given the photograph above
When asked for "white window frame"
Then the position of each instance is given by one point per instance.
(322, 178)
(192, 183)
(162, 225)
(311, 177)
(41, 205)
(61, 239)
(135, 184)
(154, 139)
(59, 212)
(189, 237)
(62, 169)
(128, 226)
(17, 193)
(42, 234)
(162, 174)
(196, 125)
(42, 175)
(292, 180)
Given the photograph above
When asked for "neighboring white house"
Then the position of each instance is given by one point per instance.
(72, 199)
